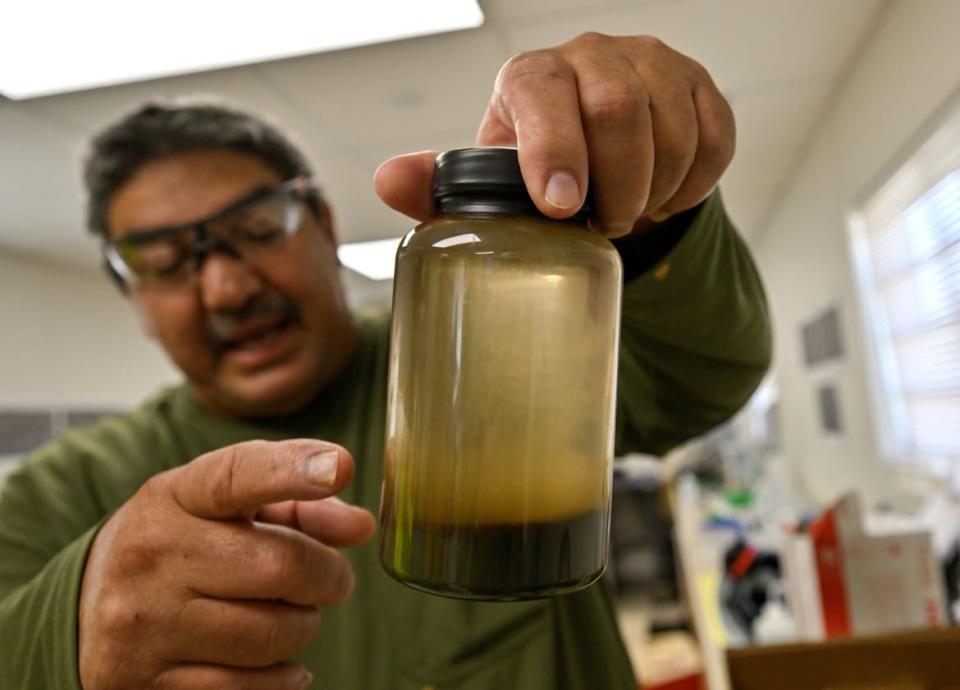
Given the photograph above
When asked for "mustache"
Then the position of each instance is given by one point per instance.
(221, 326)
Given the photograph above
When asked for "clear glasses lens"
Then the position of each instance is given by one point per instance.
(159, 258)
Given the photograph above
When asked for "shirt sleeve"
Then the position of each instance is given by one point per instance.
(695, 335)
(38, 623)
(46, 529)
(50, 511)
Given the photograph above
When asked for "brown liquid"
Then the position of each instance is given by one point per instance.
(502, 562)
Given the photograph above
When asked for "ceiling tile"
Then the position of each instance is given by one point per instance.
(772, 127)
(767, 118)
(373, 152)
(87, 112)
(743, 43)
(410, 88)
(517, 10)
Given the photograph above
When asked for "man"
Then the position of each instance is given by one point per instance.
(194, 542)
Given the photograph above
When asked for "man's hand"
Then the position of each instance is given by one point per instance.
(645, 124)
(211, 575)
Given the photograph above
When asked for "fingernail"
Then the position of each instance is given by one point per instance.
(563, 191)
(322, 468)
(307, 679)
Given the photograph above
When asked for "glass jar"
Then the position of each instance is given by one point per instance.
(502, 384)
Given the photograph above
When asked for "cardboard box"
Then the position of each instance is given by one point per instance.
(842, 581)
(921, 660)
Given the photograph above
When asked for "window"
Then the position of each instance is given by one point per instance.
(23, 431)
(906, 245)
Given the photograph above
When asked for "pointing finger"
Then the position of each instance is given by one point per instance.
(233, 482)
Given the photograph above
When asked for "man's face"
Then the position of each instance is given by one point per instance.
(254, 338)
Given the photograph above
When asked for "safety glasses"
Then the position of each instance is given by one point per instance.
(250, 230)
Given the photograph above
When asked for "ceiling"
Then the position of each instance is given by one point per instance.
(778, 61)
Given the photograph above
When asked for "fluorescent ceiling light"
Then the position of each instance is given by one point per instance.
(51, 46)
(371, 259)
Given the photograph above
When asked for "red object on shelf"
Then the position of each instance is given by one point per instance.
(833, 590)
(868, 583)
(741, 564)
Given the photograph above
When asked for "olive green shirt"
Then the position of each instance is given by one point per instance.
(695, 343)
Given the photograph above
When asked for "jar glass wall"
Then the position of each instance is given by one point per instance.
(500, 407)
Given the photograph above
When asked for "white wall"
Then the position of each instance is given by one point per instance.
(907, 70)
(67, 338)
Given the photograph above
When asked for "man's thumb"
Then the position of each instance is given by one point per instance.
(403, 182)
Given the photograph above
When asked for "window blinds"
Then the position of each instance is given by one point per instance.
(911, 228)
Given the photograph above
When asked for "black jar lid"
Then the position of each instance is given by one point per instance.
(486, 180)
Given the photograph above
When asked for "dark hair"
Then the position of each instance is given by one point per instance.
(155, 131)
